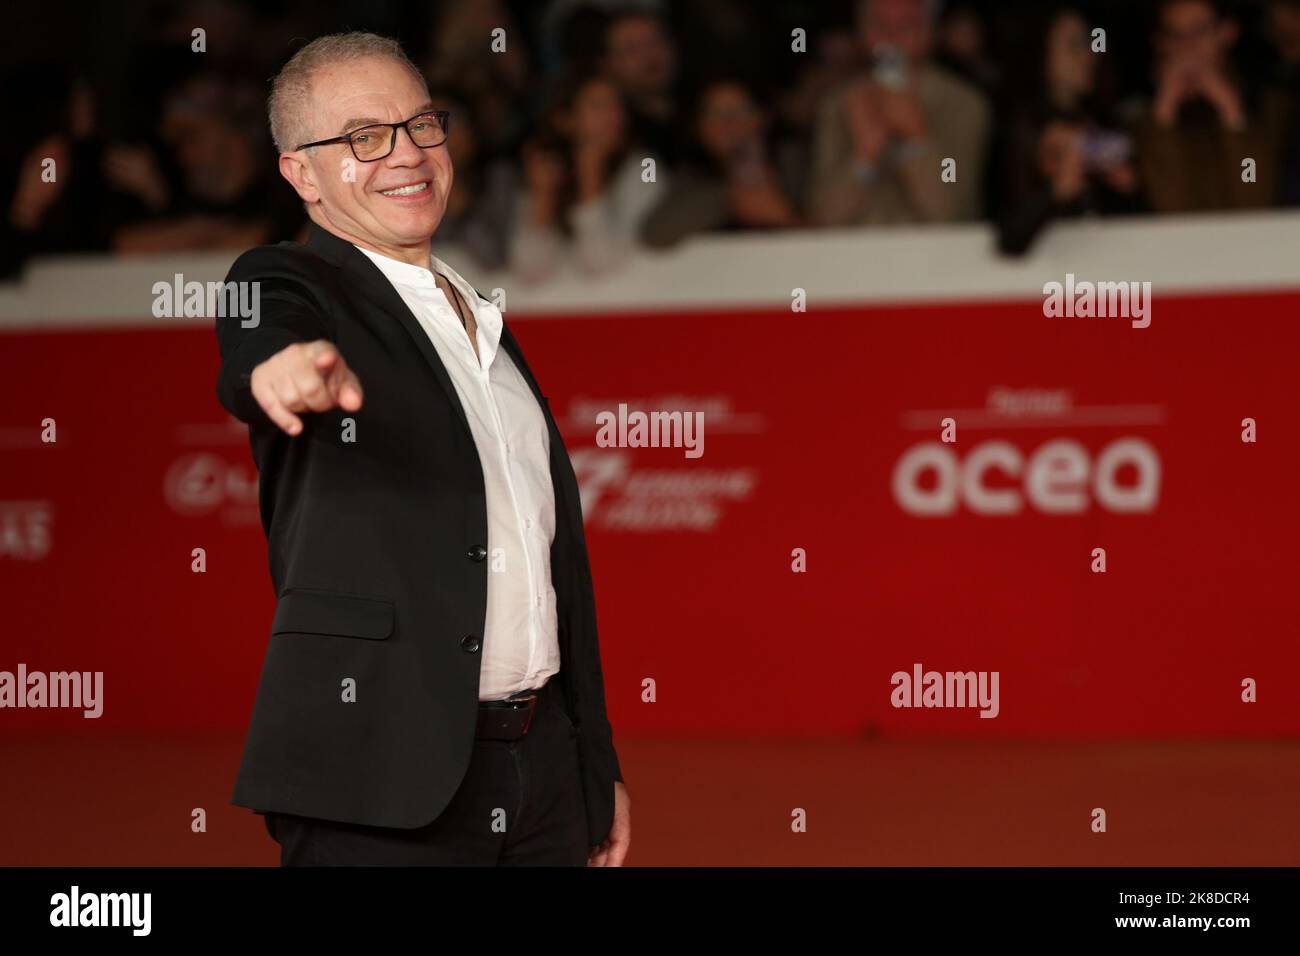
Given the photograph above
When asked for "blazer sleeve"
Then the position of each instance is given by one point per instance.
(596, 724)
(603, 728)
(291, 305)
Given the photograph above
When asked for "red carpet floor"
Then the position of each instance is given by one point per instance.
(127, 801)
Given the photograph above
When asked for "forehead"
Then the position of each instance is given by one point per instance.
(895, 12)
(634, 31)
(596, 90)
(1189, 12)
(374, 88)
(726, 94)
(1067, 25)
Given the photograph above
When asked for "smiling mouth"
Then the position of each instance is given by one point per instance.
(413, 189)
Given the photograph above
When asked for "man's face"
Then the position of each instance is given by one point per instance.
(216, 158)
(597, 113)
(904, 24)
(354, 198)
(640, 56)
(1285, 21)
(728, 121)
(1071, 64)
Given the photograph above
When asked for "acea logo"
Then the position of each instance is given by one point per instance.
(974, 465)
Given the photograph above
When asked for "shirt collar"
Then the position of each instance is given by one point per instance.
(487, 317)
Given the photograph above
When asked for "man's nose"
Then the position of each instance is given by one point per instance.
(405, 152)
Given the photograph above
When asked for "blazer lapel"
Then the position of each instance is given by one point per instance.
(374, 285)
(562, 475)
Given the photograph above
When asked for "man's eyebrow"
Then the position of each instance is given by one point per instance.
(359, 121)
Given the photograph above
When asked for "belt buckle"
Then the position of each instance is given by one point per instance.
(514, 704)
(527, 699)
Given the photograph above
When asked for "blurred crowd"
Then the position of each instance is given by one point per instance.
(757, 114)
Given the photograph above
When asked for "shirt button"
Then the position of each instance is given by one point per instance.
(528, 522)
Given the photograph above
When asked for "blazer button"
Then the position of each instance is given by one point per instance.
(477, 553)
(469, 644)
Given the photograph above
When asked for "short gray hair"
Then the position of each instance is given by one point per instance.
(288, 104)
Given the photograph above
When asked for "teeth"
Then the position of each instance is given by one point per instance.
(406, 190)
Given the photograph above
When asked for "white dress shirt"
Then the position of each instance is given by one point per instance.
(520, 645)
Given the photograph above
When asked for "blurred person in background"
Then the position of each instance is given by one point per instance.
(880, 139)
(832, 60)
(1200, 124)
(739, 38)
(498, 85)
(641, 60)
(1284, 34)
(94, 186)
(481, 205)
(728, 181)
(585, 200)
(571, 33)
(227, 200)
(1063, 153)
(962, 46)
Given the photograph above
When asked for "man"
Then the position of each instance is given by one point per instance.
(881, 140)
(230, 198)
(432, 690)
(641, 61)
(1200, 126)
(1284, 35)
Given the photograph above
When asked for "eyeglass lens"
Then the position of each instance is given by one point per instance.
(374, 142)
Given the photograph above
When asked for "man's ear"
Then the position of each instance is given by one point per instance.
(300, 176)
(1228, 33)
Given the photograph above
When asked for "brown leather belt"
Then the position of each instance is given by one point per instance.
(510, 717)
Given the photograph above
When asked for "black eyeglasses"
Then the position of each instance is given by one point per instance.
(370, 143)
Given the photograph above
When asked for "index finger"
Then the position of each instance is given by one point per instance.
(345, 386)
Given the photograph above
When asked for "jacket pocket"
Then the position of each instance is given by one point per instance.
(574, 729)
(317, 611)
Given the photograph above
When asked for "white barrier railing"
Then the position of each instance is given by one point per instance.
(1236, 251)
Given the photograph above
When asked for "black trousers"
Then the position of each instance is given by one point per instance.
(520, 804)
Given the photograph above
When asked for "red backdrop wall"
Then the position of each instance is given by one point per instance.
(807, 417)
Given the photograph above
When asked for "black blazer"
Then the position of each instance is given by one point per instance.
(377, 550)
